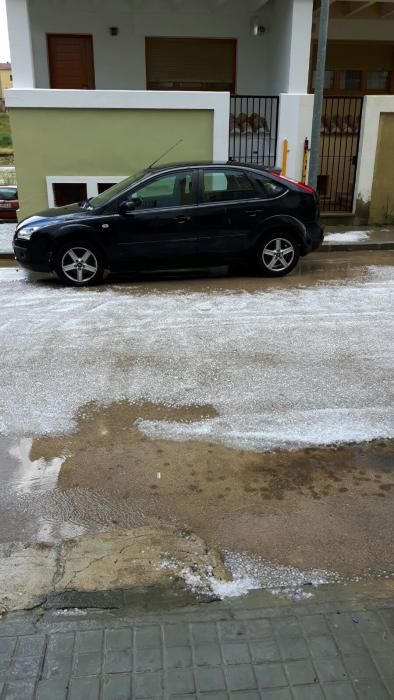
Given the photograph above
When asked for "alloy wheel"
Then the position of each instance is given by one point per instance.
(278, 254)
(79, 264)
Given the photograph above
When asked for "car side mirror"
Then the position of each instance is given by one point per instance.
(127, 206)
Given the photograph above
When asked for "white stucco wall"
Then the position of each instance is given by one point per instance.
(279, 44)
(300, 46)
(120, 60)
(295, 125)
(20, 40)
(274, 62)
(289, 45)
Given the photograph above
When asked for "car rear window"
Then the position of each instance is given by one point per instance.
(226, 186)
(268, 188)
(8, 194)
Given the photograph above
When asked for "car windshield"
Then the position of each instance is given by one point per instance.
(116, 189)
(8, 193)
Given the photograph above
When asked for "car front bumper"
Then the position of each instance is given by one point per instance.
(32, 257)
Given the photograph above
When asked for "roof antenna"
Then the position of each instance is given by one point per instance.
(164, 154)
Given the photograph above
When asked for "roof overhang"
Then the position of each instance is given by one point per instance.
(358, 9)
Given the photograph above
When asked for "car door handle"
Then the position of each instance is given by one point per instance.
(183, 219)
(253, 212)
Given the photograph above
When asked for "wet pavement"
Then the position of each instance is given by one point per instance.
(289, 507)
(7, 230)
(253, 415)
(365, 237)
(336, 646)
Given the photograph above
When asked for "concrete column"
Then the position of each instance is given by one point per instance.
(295, 124)
(289, 46)
(301, 29)
(20, 43)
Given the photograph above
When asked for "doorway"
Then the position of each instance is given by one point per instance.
(70, 61)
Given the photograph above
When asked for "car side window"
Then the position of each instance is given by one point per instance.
(268, 189)
(167, 191)
(226, 186)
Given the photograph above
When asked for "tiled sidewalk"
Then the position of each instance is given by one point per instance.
(212, 652)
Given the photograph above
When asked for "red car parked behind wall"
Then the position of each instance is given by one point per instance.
(8, 202)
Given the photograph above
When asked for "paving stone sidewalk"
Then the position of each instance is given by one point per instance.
(219, 651)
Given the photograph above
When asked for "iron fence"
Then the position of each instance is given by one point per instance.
(339, 145)
(254, 129)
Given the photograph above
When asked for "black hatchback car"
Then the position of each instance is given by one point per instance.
(176, 216)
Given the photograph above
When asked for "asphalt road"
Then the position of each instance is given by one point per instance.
(255, 413)
(7, 231)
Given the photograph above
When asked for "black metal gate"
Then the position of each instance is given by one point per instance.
(253, 129)
(339, 144)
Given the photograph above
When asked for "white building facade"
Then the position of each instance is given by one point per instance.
(101, 88)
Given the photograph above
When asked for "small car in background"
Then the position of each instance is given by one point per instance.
(9, 203)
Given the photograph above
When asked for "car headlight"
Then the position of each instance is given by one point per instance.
(26, 233)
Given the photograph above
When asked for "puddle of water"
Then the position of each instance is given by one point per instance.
(325, 512)
(20, 473)
(291, 506)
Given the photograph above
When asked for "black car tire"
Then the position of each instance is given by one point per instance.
(79, 264)
(278, 249)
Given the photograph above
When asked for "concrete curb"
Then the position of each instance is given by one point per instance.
(351, 247)
(151, 600)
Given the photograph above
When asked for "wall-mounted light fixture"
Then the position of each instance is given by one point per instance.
(257, 27)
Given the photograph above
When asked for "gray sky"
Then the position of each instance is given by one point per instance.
(4, 47)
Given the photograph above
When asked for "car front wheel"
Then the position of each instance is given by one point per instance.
(79, 264)
(277, 255)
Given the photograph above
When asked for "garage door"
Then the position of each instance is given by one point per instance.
(190, 64)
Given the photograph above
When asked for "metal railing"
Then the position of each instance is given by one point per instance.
(254, 128)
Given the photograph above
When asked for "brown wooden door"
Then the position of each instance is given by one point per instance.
(70, 59)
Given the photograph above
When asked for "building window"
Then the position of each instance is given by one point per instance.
(68, 193)
(328, 79)
(103, 186)
(180, 63)
(68, 189)
(350, 80)
(378, 80)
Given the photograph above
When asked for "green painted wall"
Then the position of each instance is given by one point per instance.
(381, 209)
(100, 142)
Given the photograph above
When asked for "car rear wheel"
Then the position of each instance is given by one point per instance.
(277, 254)
(79, 264)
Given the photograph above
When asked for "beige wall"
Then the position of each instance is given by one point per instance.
(382, 199)
(5, 83)
(100, 142)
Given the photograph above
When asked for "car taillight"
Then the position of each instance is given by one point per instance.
(294, 182)
(306, 187)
